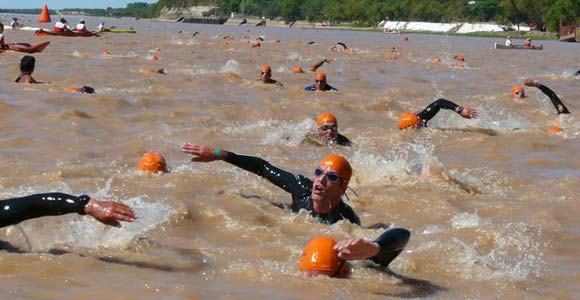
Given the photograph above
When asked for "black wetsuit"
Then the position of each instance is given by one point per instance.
(577, 73)
(296, 184)
(432, 109)
(392, 242)
(16, 210)
(342, 140)
(560, 107)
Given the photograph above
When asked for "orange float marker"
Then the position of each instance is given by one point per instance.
(555, 129)
(44, 15)
(152, 162)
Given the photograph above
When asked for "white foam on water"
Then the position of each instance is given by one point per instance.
(231, 66)
(294, 56)
(465, 220)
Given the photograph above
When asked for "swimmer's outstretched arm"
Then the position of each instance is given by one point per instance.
(319, 64)
(432, 109)
(382, 250)
(290, 182)
(16, 210)
(558, 104)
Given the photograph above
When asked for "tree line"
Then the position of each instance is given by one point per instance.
(369, 12)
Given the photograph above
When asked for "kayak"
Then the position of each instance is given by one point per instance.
(520, 47)
(120, 30)
(42, 32)
(27, 48)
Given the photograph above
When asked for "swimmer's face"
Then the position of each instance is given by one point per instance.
(320, 84)
(265, 75)
(327, 189)
(328, 131)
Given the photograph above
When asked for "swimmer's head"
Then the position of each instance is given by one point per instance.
(320, 258)
(437, 60)
(338, 164)
(152, 162)
(408, 120)
(460, 57)
(320, 80)
(518, 92)
(555, 129)
(298, 70)
(327, 126)
(82, 21)
(62, 20)
(265, 72)
(27, 64)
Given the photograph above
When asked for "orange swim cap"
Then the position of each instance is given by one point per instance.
(154, 57)
(406, 39)
(460, 58)
(298, 69)
(277, 41)
(257, 44)
(555, 129)
(149, 71)
(106, 52)
(320, 256)
(326, 118)
(72, 89)
(437, 60)
(152, 162)
(338, 164)
(408, 120)
(158, 49)
(266, 68)
(393, 47)
(320, 76)
(518, 91)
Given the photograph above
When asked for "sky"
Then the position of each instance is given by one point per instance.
(59, 4)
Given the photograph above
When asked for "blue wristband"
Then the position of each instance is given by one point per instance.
(217, 153)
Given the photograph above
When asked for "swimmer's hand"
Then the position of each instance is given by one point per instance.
(356, 249)
(201, 153)
(469, 113)
(529, 81)
(109, 212)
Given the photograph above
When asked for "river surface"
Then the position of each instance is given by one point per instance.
(493, 204)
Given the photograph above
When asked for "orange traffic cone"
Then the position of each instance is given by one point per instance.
(44, 15)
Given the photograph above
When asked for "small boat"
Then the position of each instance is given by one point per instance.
(519, 47)
(42, 32)
(120, 30)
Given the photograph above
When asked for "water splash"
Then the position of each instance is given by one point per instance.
(231, 66)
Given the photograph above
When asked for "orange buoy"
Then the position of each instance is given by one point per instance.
(44, 15)
(555, 129)
(152, 162)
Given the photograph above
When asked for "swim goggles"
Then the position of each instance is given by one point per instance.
(328, 127)
(333, 177)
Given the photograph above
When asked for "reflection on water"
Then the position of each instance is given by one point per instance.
(490, 202)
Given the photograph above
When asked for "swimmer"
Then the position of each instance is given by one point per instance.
(577, 73)
(101, 27)
(339, 47)
(3, 45)
(508, 41)
(266, 76)
(14, 24)
(26, 68)
(325, 256)
(558, 104)
(83, 89)
(320, 83)
(420, 119)
(81, 27)
(16, 210)
(322, 197)
(327, 128)
(528, 42)
(61, 26)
